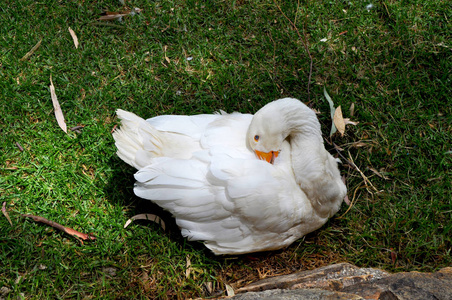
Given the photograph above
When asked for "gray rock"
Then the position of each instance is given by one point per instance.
(332, 277)
(408, 285)
(305, 294)
(346, 281)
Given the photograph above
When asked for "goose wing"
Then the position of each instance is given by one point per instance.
(223, 195)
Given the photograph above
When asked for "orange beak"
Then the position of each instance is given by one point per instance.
(269, 156)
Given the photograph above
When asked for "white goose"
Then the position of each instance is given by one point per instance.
(205, 170)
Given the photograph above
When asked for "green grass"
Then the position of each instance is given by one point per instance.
(393, 62)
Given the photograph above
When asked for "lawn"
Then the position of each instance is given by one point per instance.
(390, 60)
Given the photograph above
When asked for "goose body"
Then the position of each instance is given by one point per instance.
(206, 171)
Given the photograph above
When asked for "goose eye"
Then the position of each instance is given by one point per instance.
(256, 138)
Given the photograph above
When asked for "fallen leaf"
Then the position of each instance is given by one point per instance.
(56, 106)
(109, 15)
(352, 109)
(338, 120)
(67, 230)
(5, 213)
(209, 287)
(229, 290)
(332, 110)
(166, 57)
(149, 217)
(393, 256)
(74, 37)
(29, 53)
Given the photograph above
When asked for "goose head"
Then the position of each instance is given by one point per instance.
(275, 122)
(267, 131)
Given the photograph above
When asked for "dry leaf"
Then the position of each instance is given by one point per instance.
(56, 106)
(166, 57)
(74, 37)
(338, 120)
(68, 230)
(393, 256)
(29, 53)
(352, 109)
(5, 213)
(109, 15)
(149, 217)
(209, 287)
(229, 290)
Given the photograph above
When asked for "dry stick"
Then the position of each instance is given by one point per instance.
(77, 128)
(305, 44)
(19, 146)
(70, 231)
(366, 180)
(352, 163)
(351, 203)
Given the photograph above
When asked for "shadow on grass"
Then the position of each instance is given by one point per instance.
(119, 191)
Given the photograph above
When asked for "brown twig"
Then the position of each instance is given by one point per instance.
(67, 230)
(77, 128)
(19, 146)
(114, 128)
(304, 40)
(351, 163)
